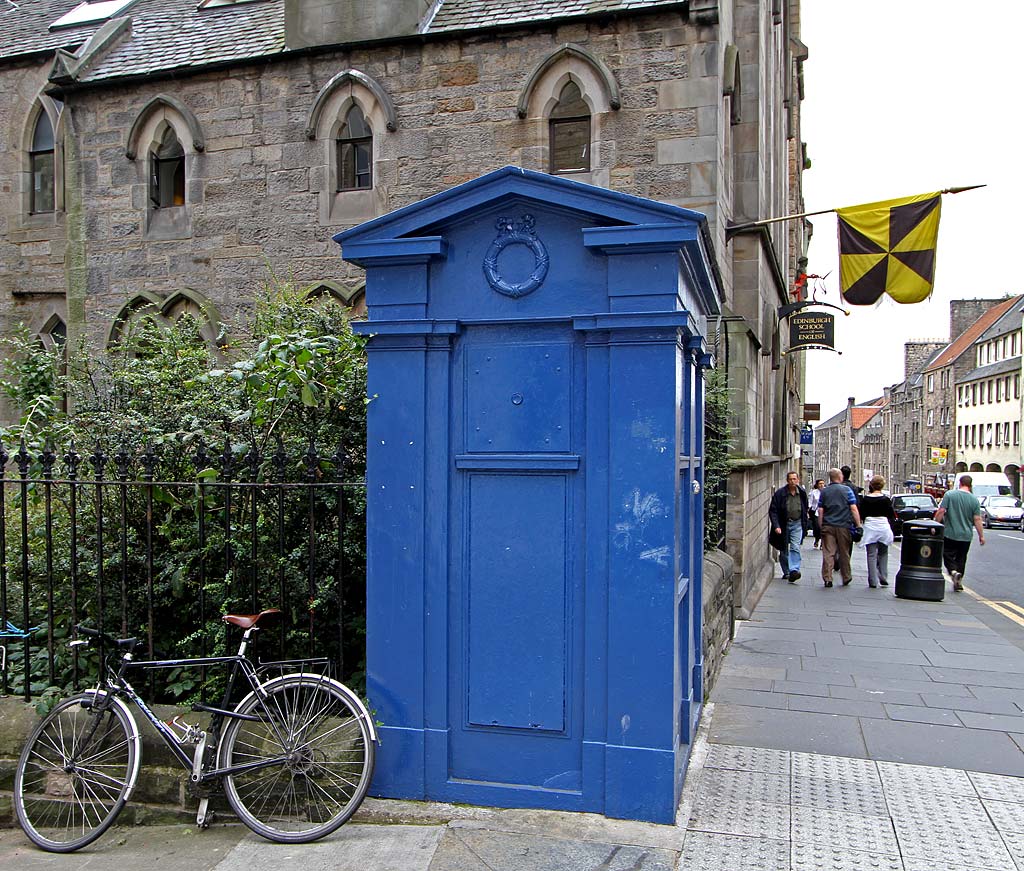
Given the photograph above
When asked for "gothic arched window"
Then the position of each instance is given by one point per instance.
(355, 152)
(42, 165)
(569, 126)
(167, 172)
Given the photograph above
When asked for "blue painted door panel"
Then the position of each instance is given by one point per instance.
(516, 655)
(518, 397)
(515, 603)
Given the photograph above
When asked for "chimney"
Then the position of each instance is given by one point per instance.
(336, 22)
(916, 354)
(964, 312)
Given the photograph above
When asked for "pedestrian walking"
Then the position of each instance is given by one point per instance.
(839, 516)
(813, 495)
(876, 511)
(958, 512)
(847, 472)
(788, 516)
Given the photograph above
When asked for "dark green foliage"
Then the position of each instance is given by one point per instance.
(281, 403)
(717, 448)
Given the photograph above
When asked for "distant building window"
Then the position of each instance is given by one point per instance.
(569, 127)
(1016, 433)
(167, 172)
(355, 152)
(989, 391)
(931, 383)
(41, 157)
(931, 417)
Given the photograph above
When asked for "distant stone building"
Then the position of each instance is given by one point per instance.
(850, 439)
(870, 454)
(988, 401)
(969, 319)
(903, 415)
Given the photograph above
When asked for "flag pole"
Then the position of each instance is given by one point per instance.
(765, 221)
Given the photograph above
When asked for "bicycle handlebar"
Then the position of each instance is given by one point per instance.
(128, 643)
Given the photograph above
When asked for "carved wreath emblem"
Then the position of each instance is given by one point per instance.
(519, 232)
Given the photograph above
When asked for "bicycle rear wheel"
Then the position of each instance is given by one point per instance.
(76, 773)
(312, 754)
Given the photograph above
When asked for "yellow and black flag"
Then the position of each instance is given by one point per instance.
(889, 247)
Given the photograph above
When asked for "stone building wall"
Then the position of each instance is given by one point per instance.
(255, 192)
(31, 246)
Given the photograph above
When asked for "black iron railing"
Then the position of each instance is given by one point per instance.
(159, 547)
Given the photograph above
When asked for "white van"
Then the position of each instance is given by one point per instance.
(986, 483)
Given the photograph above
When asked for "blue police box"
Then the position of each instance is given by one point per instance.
(534, 507)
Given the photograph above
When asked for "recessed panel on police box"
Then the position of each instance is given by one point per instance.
(518, 398)
(517, 601)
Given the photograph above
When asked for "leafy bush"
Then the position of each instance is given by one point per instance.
(182, 430)
(717, 448)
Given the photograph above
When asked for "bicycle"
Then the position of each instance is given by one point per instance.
(295, 756)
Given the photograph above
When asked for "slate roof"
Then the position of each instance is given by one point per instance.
(1008, 323)
(472, 14)
(990, 370)
(173, 35)
(952, 352)
(24, 27)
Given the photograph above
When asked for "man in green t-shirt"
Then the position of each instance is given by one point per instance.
(959, 511)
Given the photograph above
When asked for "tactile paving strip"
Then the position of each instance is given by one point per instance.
(754, 818)
(721, 784)
(971, 848)
(816, 857)
(912, 864)
(835, 767)
(849, 796)
(844, 831)
(713, 852)
(952, 812)
(1007, 816)
(898, 778)
(1015, 844)
(748, 759)
(1000, 787)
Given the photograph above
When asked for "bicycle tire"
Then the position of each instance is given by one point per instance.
(67, 793)
(318, 744)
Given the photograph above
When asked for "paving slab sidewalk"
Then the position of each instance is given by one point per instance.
(852, 671)
(848, 730)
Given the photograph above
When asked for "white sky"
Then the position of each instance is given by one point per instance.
(905, 97)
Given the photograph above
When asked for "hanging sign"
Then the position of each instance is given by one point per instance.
(807, 436)
(812, 329)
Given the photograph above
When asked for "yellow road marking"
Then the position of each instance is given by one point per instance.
(1014, 606)
(999, 606)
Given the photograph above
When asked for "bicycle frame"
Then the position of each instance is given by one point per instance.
(118, 685)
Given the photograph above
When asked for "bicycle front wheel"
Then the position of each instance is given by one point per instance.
(310, 752)
(76, 773)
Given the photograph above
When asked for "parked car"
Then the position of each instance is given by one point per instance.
(1000, 511)
(912, 506)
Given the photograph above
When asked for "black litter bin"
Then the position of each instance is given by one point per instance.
(920, 574)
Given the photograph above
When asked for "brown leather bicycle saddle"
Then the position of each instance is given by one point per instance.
(247, 621)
